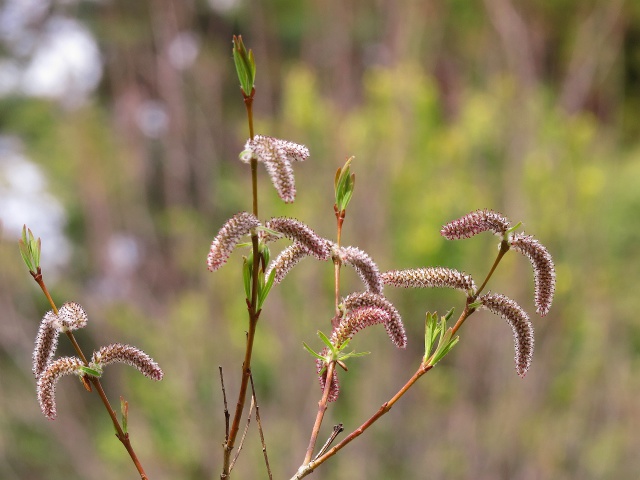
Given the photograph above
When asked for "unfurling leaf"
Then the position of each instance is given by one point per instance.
(344, 184)
(30, 249)
(245, 65)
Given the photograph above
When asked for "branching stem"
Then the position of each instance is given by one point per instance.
(260, 431)
(307, 468)
(504, 248)
(337, 264)
(120, 434)
(322, 407)
(254, 314)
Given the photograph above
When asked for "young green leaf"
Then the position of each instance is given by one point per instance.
(246, 277)
(312, 352)
(352, 355)
(449, 314)
(245, 65)
(446, 344)
(266, 253)
(512, 229)
(91, 371)
(30, 248)
(344, 183)
(344, 345)
(430, 334)
(124, 409)
(26, 258)
(265, 288)
(328, 343)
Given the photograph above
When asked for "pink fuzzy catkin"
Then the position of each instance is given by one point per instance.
(520, 324)
(474, 223)
(543, 269)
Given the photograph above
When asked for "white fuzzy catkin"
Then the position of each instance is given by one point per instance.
(117, 352)
(227, 238)
(46, 388)
(277, 155)
(46, 343)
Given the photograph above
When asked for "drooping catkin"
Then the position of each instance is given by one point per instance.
(117, 352)
(299, 232)
(543, 269)
(520, 324)
(227, 238)
(364, 266)
(46, 343)
(277, 155)
(395, 327)
(46, 388)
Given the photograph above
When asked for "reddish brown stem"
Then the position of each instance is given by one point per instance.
(260, 431)
(309, 467)
(504, 248)
(322, 407)
(121, 435)
(337, 264)
(252, 308)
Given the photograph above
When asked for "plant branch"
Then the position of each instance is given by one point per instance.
(226, 408)
(504, 248)
(322, 407)
(309, 467)
(244, 435)
(120, 434)
(337, 263)
(259, 422)
(337, 429)
(254, 314)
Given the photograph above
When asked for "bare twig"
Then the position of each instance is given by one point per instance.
(226, 408)
(244, 435)
(337, 429)
(307, 468)
(120, 434)
(253, 311)
(322, 407)
(264, 445)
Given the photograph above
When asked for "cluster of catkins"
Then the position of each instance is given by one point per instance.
(362, 309)
(71, 316)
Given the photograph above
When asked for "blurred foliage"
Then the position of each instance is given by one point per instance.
(526, 108)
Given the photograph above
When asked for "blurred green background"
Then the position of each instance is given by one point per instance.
(120, 128)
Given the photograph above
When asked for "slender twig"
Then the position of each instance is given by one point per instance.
(254, 313)
(244, 435)
(322, 404)
(259, 422)
(322, 407)
(504, 248)
(226, 408)
(120, 434)
(337, 264)
(337, 429)
(309, 467)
